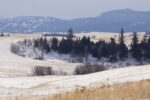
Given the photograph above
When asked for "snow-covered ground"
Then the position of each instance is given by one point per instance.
(106, 34)
(16, 73)
(12, 65)
(48, 85)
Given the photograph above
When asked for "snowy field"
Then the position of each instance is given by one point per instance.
(12, 65)
(16, 73)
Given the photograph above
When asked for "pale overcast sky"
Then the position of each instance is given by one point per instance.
(67, 9)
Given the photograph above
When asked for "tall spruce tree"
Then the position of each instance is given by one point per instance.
(54, 45)
(147, 49)
(123, 50)
(144, 47)
(46, 46)
(135, 48)
(113, 50)
(69, 43)
(70, 34)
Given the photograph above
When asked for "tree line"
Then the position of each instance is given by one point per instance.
(113, 51)
(80, 48)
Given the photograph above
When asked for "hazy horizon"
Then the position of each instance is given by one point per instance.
(67, 9)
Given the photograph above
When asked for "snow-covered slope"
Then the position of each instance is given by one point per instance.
(12, 65)
(16, 79)
(28, 86)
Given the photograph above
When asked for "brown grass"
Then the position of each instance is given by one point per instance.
(128, 91)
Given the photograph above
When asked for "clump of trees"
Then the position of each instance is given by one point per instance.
(33, 48)
(81, 48)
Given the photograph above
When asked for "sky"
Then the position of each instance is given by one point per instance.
(67, 9)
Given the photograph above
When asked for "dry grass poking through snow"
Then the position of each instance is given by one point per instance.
(128, 91)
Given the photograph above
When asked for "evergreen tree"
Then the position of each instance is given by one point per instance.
(135, 48)
(93, 50)
(54, 44)
(86, 53)
(46, 46)
(36, 43)
(99, 51)
(61, 46)
(70, 34)
(65, 46)
(123, 50)
(105, 50)
(102, 49)
(77, 47)
(113, 50)
(147, 49)
(144, 47)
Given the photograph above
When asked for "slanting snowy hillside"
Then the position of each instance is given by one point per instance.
(12, 65)
(28, 86)
(16, 71)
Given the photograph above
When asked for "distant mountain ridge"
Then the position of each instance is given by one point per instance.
(110, 21)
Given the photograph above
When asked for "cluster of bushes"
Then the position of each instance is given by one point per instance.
(88, 68)
(43, 71)
(80, 70)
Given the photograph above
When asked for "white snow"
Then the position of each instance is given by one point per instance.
(57, 84)
(12, 65)
(106, 34)
(16, 71)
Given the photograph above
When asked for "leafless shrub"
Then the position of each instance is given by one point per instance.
(15, 48)
(60, 72)
(86, 69)
(42, 71)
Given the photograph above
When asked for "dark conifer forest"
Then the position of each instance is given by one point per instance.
(83, 47)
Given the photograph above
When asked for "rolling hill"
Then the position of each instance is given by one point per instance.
(110, 21)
